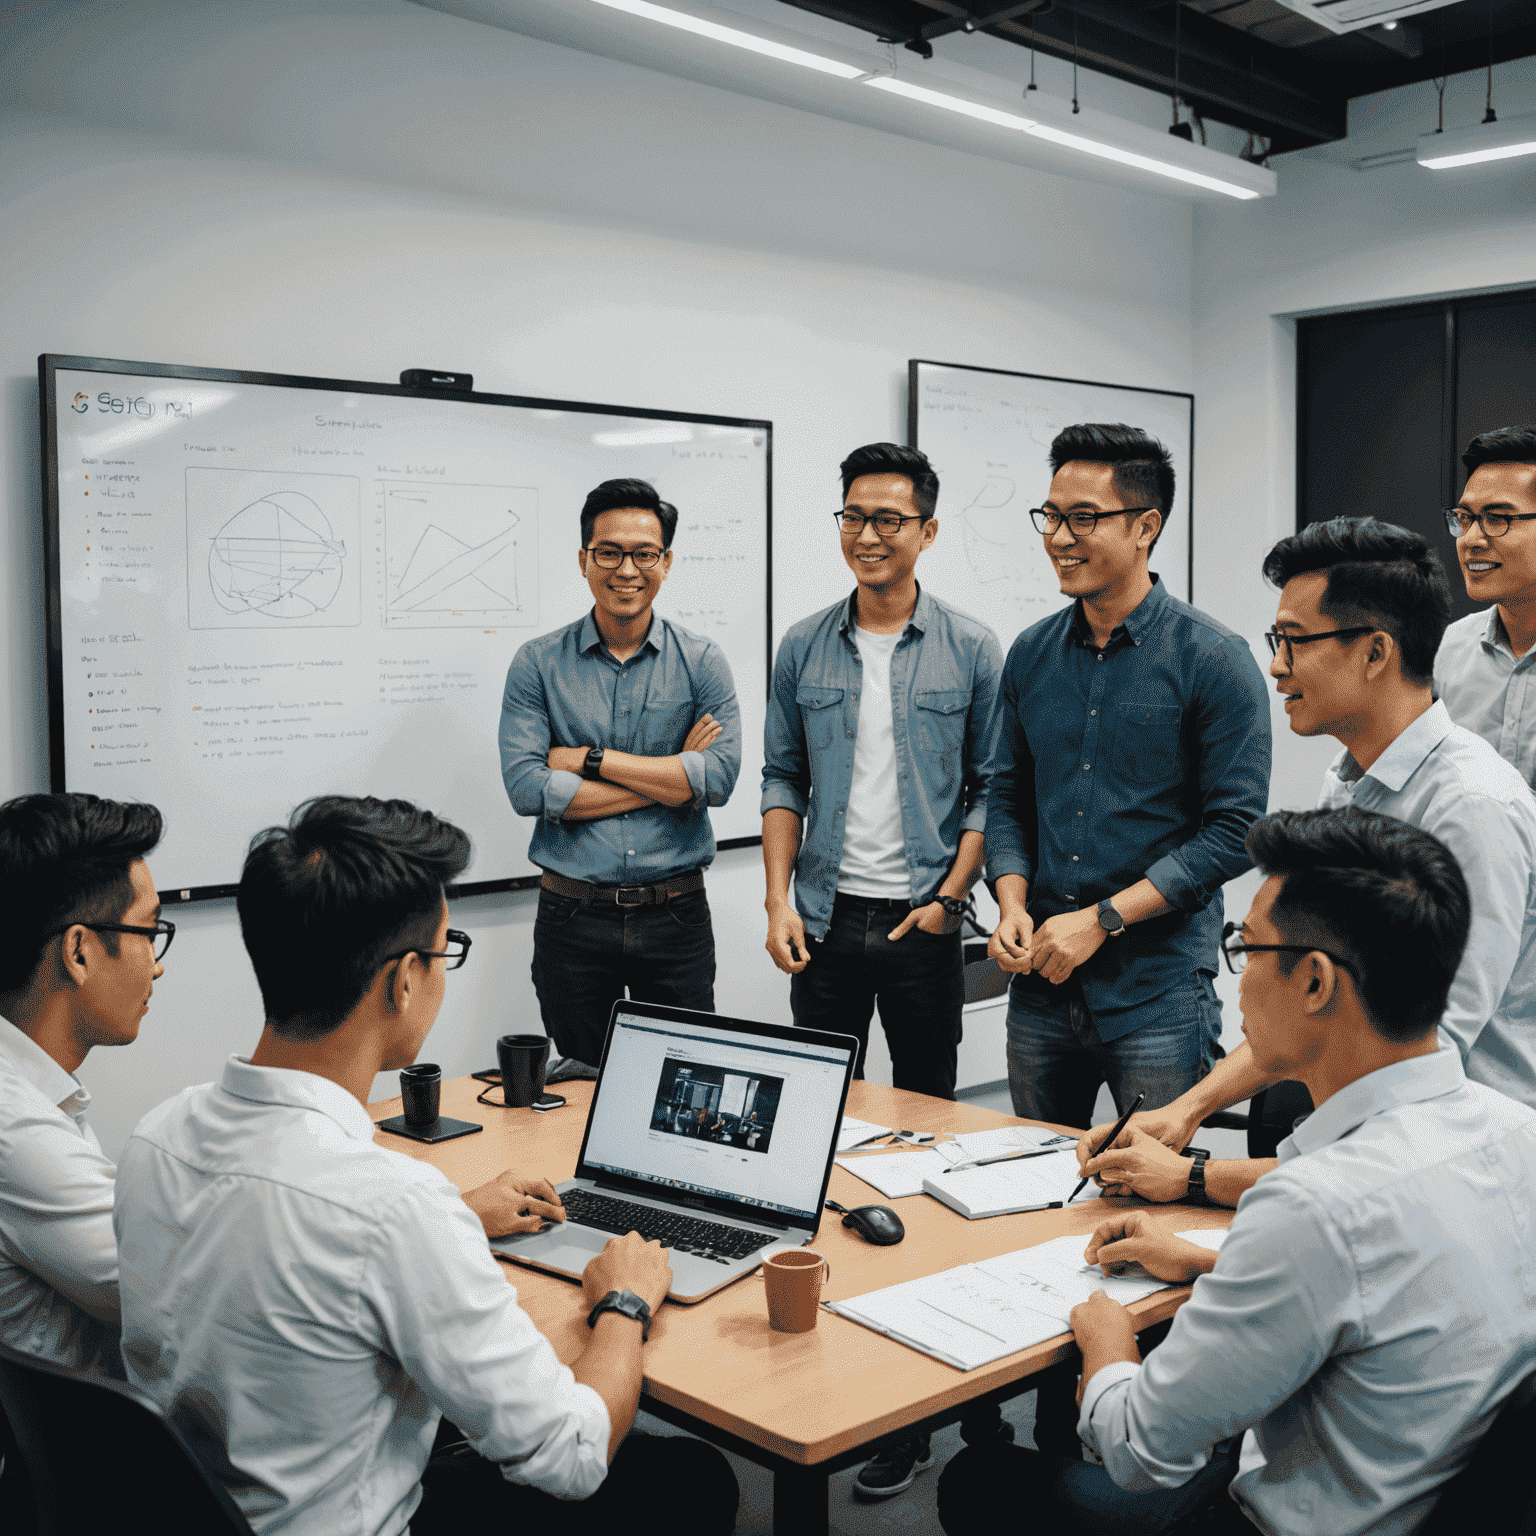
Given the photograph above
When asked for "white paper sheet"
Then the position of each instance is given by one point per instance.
(854, 1131)
(1010, 1186)
(1007, 1138)
(896, 1174)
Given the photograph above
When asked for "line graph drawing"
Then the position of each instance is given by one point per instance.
(459, 555)
(271, 550)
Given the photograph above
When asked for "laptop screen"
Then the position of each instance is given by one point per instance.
(718, 1112)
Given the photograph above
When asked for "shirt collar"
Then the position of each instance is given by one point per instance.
(1493, 632)
(1408, 750)
(1405, 1082)
(590, 637)
(297, 1090)
(1135, 626)
(922, 614)
(32, 1063)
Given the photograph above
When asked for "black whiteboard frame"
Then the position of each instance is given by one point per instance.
(914, 363)
(49, 363)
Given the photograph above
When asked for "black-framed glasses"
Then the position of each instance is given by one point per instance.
(610, 557)
(452, 957)
(162, 933)
(887, 524)
(1494, 524)
(1048, 521)
(1277, 638)
(1236, 955)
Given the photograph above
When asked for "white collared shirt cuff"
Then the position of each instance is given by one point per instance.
(1118, 1373)
(573, 1461)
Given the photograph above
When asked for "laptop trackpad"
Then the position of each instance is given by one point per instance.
(571, 1251)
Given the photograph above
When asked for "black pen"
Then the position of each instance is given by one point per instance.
(1108, 1141)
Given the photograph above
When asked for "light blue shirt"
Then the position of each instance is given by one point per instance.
(566, 689)
(1371, 1309)
(1490, 690)
(1446, 781)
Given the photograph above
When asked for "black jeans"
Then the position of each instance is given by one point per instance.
(586, 957)
(919, 983)
(462, 1492)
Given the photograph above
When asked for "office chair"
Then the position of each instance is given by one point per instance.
(1494, 1490)
(91, 1449)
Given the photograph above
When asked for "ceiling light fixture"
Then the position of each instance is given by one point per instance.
(737, 39)
(953, 103)
(1141, 162)
(1474, 146)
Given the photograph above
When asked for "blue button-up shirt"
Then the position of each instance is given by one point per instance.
(1490, 690)
(566, 689)
(943, 682)
(1146, 760)
(1372, 1307)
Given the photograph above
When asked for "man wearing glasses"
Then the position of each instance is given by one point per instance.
(84, 941)
(1485, 670)
(306, 1305)
(1131, 758)
(617, 734)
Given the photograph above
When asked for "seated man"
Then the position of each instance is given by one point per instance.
(306, 1304)
(1370, 1310)
(81, 957)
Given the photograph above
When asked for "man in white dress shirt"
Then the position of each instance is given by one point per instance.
(308, 1305)
(1371, 1308)
(80, 958)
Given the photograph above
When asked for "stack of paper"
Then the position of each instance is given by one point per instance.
(1000, 1189)
(1007, 1138)
(977, 1313)
(897, 1174)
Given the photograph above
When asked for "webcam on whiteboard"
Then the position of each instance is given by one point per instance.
(437, 378)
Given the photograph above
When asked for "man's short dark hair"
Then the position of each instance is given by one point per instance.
(1504, 445)
(1384, 896)
(894, 459)
(65, 859)
(1143, 466)
(612, 494)
(327, 899)
(1378, 574)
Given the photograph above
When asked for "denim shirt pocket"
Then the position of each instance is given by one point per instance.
(1146, 742)
(941, 718)
(818, 715)
(663, 726)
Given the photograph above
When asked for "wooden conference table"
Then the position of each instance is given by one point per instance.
(803, 1405)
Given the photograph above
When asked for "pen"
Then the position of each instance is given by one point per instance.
(1108, 1141)
(1002, 1157)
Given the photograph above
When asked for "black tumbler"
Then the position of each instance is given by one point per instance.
(421, 1089)
(523, 1060)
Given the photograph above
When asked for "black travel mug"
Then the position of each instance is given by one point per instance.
(523, 1060)
(421, 1089)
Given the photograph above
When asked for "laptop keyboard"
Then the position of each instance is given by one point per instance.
(687, 1234)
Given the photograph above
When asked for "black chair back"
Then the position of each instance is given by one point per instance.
(94, 1452)
(1272, 1115)
(1494, 1491)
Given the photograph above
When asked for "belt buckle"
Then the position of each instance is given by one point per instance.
(618, 895)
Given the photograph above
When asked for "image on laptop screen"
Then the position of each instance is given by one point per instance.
(717, 1112)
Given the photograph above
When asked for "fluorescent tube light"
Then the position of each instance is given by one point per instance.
(953, 103)
(737, 39)
(1141, 162)
(1474, 146)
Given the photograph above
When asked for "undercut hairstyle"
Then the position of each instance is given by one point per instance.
(1504, 445)
(1143, 466)
(894, 459)
(65, 859)
(326, 900)
(1387, 898)
(613, 494)
(1378, 574)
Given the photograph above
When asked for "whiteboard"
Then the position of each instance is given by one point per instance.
(264, 587)
(988, 434)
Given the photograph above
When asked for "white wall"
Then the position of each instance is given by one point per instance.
(350, 189)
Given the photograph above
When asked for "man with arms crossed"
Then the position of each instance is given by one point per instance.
(306, 1304)
(1483, 669)
(617, 733)
(1370, 1309)
(83, 943)
(1132, 755)
(1363, 606)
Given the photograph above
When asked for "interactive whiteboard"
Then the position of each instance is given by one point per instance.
(264, 587)
(988, 435)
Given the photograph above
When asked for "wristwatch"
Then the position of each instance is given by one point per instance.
(1195, 1194)
(593, 767)
(1110, 920)
(626, 1304)
(954, 905)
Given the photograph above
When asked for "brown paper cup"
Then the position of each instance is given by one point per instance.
(792, 1280)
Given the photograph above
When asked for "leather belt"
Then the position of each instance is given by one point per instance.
(657, 895)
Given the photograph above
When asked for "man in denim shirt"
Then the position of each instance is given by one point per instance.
(1132, 756)
(617, 733)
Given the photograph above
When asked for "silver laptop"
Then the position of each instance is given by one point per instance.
(713, 1135)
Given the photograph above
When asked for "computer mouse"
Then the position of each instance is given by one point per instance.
(877, 1224)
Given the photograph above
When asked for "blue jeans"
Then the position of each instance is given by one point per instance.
(1056, 1059)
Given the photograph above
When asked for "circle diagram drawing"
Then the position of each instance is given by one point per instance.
(279, 557)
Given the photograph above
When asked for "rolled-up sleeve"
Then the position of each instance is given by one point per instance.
(1233, 740)
(454, 1324)
(786, 762)
(533, 787)
(712, 773)
(978, 732)
(1010, 822)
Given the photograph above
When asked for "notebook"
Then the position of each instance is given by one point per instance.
(1002, 1189)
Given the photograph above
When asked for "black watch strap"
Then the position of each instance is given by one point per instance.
(592, 768)
(626, 1304)
(954, 905)
(1196, 1193)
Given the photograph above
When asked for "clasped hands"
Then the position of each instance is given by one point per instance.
(1053, 950)
(700, 736)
